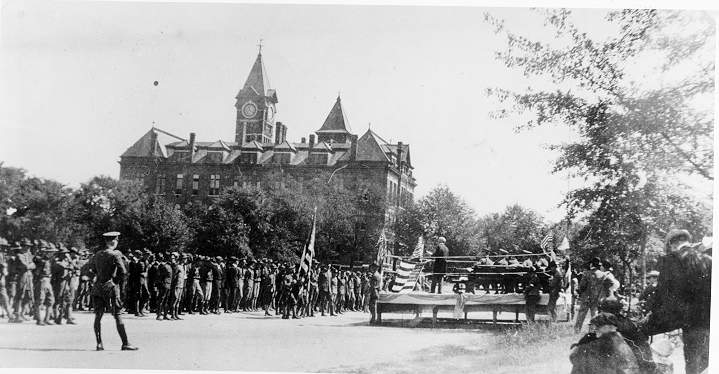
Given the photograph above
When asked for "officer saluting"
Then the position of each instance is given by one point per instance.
(109, 269)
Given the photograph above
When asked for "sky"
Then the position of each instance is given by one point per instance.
(77, 86)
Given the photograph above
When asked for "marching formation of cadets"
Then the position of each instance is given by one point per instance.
(47, 282)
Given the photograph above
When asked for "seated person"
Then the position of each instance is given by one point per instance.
(604, 350)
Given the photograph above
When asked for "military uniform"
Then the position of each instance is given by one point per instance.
(44, 295)
(109, 269)
(25, 290)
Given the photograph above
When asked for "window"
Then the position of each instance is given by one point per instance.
(181, 156)
(214, 157)
(248, 158)
(178, 184)
(160, 185)
(214, 184)
(317, 159)
(281, 158)
(195, 184)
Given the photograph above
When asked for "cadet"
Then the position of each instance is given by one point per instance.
(62, 272)
(108, 267)
(44, 297)
(439, 268)
(164, 286)
(325, 297)
(375, 285)
(179, 273)
(25, 293)
(4, 299)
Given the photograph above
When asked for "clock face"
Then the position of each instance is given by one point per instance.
(249, 110)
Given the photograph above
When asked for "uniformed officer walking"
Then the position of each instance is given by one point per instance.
(109, 269)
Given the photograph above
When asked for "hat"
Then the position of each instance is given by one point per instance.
(596, 261)
(62, 250)
(175, 254)
(603, 319)
(653, 273)
(677, 234)
(4, 242)
(610, 305)
(74, 250)
(441, 239)
(111, 234)
(218, 258)
(25, 242)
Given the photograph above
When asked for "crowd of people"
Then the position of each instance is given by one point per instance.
(46, 282)
(678, 297)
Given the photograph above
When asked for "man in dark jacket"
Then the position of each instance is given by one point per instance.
(440, 265)
(683, 298)
(531, 293)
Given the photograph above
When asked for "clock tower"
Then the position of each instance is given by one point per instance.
(255, 104)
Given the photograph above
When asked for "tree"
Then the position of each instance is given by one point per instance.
(632, 139)
(515, 230)
(446, 214)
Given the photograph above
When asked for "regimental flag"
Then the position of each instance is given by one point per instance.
(309, 252)
(564, 245)
(547, 242)
(418, 249)
(383, 253)
(406, 277)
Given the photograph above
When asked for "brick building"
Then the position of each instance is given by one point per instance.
(184, 170)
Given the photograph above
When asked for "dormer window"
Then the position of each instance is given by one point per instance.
(181, 156)
(248, 158)
(282, 158)
(318, 159)
(214, 156)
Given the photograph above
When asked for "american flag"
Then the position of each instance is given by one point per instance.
(309, 253)
(407, 275)
(547, 241)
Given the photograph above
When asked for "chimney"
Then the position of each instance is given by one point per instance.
(353, 147)
(278, 133)
(399, 156)
(284, 133)
(192, 146)
(312, 145)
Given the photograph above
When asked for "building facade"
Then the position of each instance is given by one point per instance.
(185, 170)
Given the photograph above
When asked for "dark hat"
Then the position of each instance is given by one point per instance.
(603, 319)
(676, 234)
(111, 234)
(610, 305)
(596, 261)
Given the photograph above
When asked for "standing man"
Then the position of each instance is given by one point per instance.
(108, 267)
(646, 297)
(531, 293)
(325, 296)
(440, 265)
(375, 285)
(556, 285)
(44, 297)
(179, 273)
(683, 298)
(164, 286)
(590, 292)
(25, 293)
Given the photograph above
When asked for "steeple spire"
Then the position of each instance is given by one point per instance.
(257, 79)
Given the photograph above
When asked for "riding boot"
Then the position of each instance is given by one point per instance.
(98, 336)
(123, 336)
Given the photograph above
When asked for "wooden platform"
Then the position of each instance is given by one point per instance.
(422, 302)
